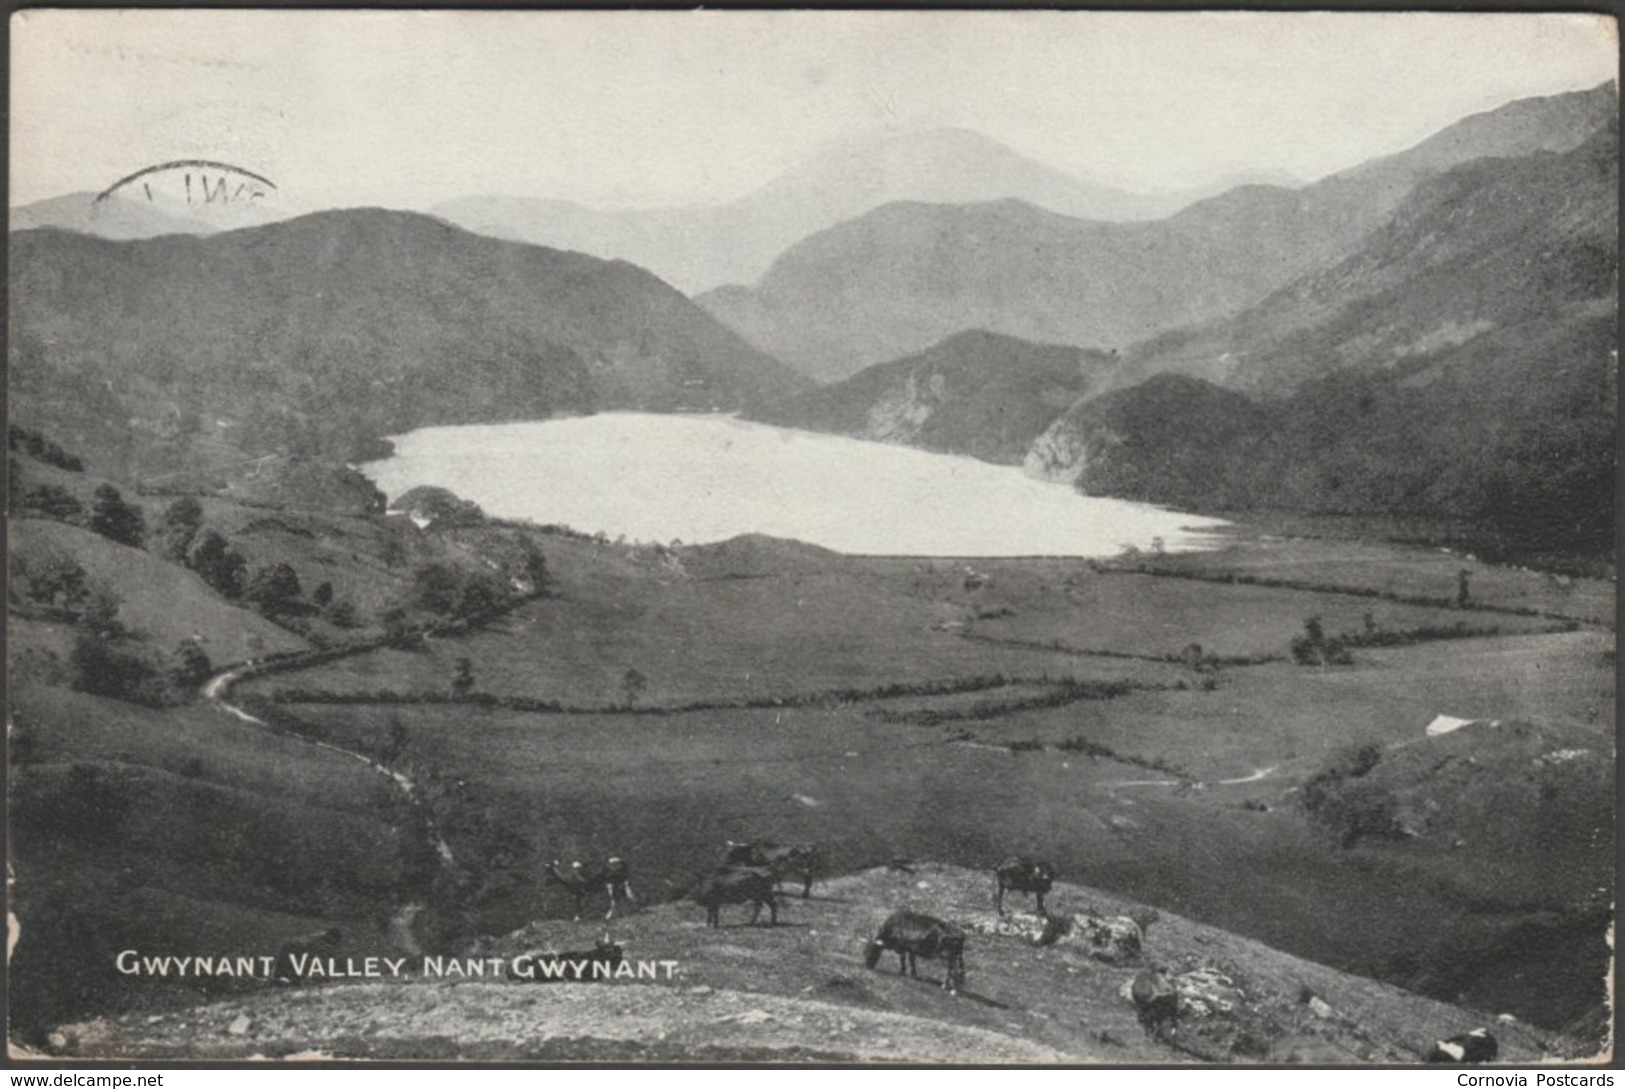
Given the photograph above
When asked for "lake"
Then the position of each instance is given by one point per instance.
(702, 478)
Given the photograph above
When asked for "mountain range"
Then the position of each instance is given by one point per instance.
(1457, 363)
(906, 275)
(119, 216)
(319, 334)
(701, 247)
(1461, 364)
(1428, 332)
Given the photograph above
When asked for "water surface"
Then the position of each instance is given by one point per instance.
(707, 478)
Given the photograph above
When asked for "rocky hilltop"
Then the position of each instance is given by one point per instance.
(799, 992)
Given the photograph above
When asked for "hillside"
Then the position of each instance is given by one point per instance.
(702, 247)
(1479, 250)
(906, 275)
(1459, 365)
(799, 992)
(979, 394)
(317, 335)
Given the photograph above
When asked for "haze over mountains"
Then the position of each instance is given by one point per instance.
(122, 216)
(907, 275)
(702, 247)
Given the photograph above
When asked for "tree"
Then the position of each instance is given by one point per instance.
(274, 588)
(57, 584)
(179, 525)
(342, 614)
(437, 587)
(632, 684)
(53, 501)
(101, 667)
(115, 519)
(218, 564)
(462, 681)
(191, 666)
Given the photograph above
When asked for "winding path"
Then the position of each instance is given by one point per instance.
(218, 687)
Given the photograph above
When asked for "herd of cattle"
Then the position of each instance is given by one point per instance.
(754, 874)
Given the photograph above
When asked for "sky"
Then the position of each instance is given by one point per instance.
(403, 109)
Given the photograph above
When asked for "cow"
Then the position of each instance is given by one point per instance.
(294, 956)
(737, 885)
(798, 859)
(912, 935)
(581, 881)
(550, 967)
(1477, 1046)
(1022, 874)
(1156, 1000)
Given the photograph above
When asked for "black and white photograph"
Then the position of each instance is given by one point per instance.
(811, 538)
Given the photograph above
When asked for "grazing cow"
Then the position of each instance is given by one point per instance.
(1022, 874)
(294, 956)
(1156, 1000)
(912, 935)
(582, 881)
(798, 859)
(1477, 1046)
(549, 967)
(737, 885)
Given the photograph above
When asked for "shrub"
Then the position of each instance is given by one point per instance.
(101, 668)
(51, 501)
(39, 447)
(179, 525)
(342, 614)
(115, 519)
(1314, 648)
(192, 666)
(57, 584)
(218, 564)
(274, 588)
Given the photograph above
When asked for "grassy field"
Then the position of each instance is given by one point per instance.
(1131, 791)
(182, 830)
(923, 710)
(721, 640)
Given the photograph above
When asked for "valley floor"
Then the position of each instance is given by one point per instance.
(1147, 723)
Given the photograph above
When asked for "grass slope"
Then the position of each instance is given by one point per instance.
(799, 991)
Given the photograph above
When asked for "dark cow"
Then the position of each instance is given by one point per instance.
(1022, 874)
(1156, 1000)
(1477, 1046)
(294, 956)
(582, 881)
(795, 859)
(737, 885)
(548, 967)
(912, 935)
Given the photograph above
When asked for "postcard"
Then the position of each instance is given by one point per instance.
(835, 537)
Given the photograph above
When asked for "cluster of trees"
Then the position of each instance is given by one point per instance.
(40, 448)
(108, 661)
(1315, 647)
(274, 588)
(110, 514)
